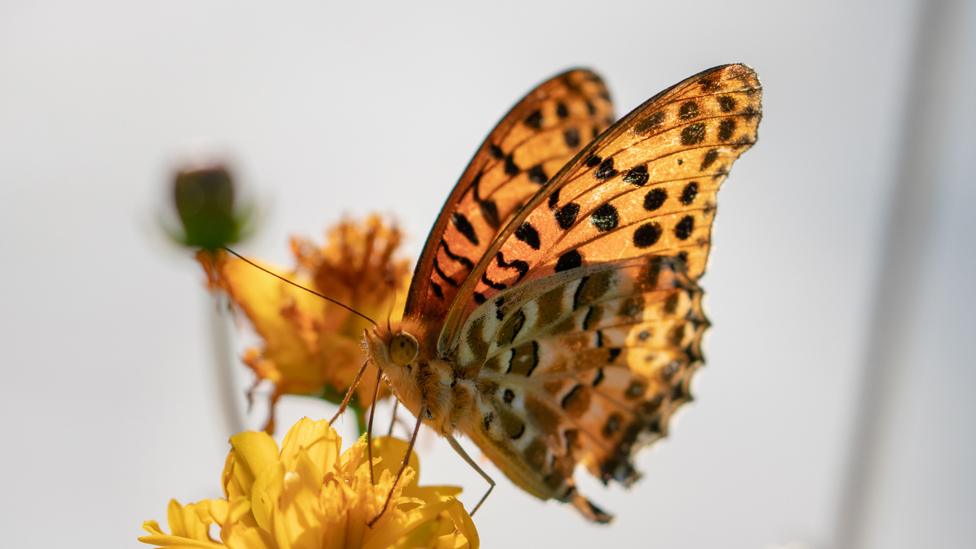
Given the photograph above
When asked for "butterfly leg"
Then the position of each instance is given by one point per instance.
(396, 406)
(403, 467)
(464, 455)
(369, 425)
(349, 393)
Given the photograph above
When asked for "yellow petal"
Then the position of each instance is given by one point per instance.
(244, 534)
(189, 524)
(391, 452)
(251, 453)
(464, 524)
(317, 439)
(265, 492)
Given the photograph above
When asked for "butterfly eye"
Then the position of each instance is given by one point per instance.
(403, 349)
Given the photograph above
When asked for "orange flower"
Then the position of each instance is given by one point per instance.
(313, 347)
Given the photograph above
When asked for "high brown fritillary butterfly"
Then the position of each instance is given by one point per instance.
(555, 316)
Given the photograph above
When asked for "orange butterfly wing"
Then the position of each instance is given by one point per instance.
(583, 320)
(647, 186)
(583, 367)
(531, 143)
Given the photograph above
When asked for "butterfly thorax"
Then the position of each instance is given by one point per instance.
(425, 383)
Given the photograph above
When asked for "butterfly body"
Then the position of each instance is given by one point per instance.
(555, 316)
(431, 387)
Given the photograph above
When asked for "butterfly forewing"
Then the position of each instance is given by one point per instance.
(647, 186)
(530, 145)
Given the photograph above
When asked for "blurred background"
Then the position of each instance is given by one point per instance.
(836, 407)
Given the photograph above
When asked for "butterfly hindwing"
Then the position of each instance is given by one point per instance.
(531, 143)
(646, 186)
(584, 368)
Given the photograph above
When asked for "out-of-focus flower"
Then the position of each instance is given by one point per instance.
(205, 202)
(308, 495)
(311, 346)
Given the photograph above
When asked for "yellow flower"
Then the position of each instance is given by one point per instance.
(313, 347)
(309, 496)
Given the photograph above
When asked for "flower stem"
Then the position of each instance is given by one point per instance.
(224, 365)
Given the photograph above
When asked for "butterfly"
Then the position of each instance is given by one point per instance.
(555, 316)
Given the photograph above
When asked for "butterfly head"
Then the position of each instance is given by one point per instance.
(393, 347)
(394, 351)
(402, 348)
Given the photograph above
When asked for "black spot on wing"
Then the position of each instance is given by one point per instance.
(554, 199)
(709, 159)
(527, 233)
(649, 123)
(464, 227)
(442, 274)
(455, 257)
(569, 260)
(511, 168)
(605, 218)
(726, 129)
(566, 215)
(561, 110)
(654, 199)
(491, 283)
(572, 137)
(537, 174)
(489, 210)
(726, 103)
(689, 193)
(693, 134)
(598, 377)
(688, 110)
(647, 235)
(521, 266)
(683, 228)
(709, 85)
(606, 170)
(637, 176)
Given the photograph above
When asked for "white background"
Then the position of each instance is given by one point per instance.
(836, 408)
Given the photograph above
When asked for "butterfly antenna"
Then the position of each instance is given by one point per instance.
(297, 285)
